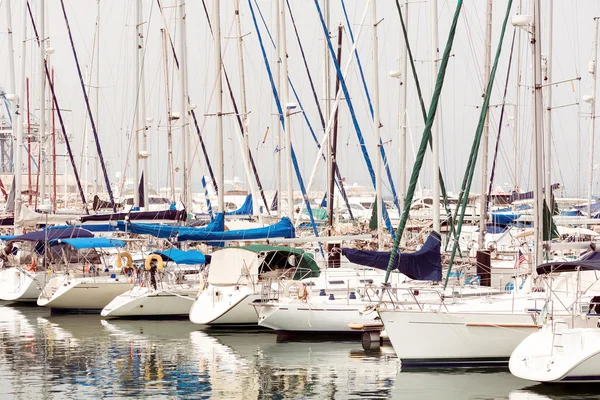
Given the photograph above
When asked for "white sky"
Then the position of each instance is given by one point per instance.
(461, 96)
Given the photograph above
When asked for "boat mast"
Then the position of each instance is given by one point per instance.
(593, 71)
(50, 120)
(278, 123)
(333, 150)
(435, 135)
(547, 66)
(403, 109)
(143, 154)
(517, 105)
(245, 122)
(96, 159)
(53, 114)
(286, 110)
(327, 110)
(486, 128)
(11, 51)
(538, 111)
(186, 109)
(171, 171)
(42, 120)
(136, 129)
(18, 121)
(376, 121)
(29, 155)
(86, 144)
(219, 89)
(13, 84)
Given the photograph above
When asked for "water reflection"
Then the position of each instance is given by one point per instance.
(82, 356)
(545, 392)
(302, 369)
(457, 384)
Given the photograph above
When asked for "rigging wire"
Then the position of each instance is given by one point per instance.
(60, 118)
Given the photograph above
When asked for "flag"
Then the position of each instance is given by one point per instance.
(520, 259)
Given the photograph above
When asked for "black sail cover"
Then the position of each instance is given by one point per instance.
(423, 265)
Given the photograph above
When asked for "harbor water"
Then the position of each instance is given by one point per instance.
(86, 357)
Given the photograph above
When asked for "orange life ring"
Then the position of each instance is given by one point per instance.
(304, 293)
(154, 257)
(31, 267)
(125, 255)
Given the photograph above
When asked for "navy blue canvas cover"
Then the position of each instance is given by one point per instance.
(53, 233)
(423, 265)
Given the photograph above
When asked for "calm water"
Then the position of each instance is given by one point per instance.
(80, 357)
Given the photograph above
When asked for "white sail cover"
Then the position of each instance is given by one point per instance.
(28, 217)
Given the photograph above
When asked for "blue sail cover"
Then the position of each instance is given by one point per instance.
(89, 243)
(55, 233)
(495, 229)
(191, 257)
(164, 231)
(92, 227)
(282, 229)
(245, 209)
(583, 208)
(423, 265)
(504, 218)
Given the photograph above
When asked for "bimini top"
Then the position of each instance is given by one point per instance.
(243, 265)
(306, 261)
(590, 264)
(424, 264)
(191, 257)
(88, 243)
(53, 233)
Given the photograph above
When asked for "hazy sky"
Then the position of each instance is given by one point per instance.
(460, 104)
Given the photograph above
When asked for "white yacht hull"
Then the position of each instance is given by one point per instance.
(334, 316)
(142, 302)
(225, 305)
(90, 294)
(428, 338)
(17, 284)
(572, 356)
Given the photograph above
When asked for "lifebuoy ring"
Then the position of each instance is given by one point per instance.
(31, 267)
(302, 291)
(120, 259)
(156, 258)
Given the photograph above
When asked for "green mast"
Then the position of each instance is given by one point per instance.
(424, 140)
(468, 179)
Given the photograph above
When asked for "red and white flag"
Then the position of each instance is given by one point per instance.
(520, 259)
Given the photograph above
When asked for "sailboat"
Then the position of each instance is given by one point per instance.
(24, 276)
(241, 276)
(170, 292)
(567, 348)
(90, 274)
(340, 297)
(481, 331)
